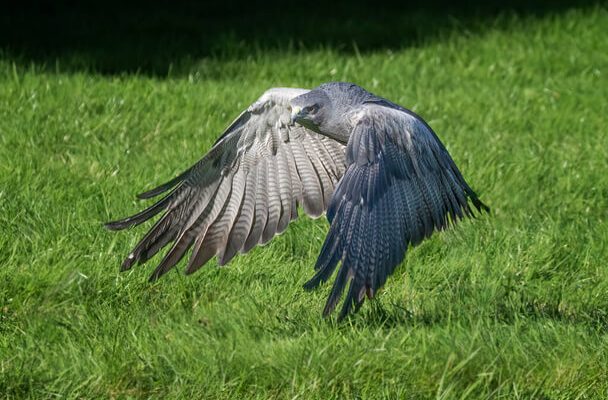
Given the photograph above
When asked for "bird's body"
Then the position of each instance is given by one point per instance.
(379, 171)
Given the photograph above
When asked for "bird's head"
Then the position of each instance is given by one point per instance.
(311, 109)
(326, 108)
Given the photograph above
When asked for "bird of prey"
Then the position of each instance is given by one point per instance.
(378, 170)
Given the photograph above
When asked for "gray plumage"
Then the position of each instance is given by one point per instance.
(378, 169)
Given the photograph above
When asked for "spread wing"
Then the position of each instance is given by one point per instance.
(400, 185)
(244, 191)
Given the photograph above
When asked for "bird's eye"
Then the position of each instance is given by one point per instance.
(311, 109)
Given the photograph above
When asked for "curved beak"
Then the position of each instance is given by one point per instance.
(296, 112)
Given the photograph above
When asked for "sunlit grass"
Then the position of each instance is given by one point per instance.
(512, 304)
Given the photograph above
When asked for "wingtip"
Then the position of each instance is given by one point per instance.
(478, 204)
(144, 195)
(114, 225)
(161, 270)
(481, 207)
(328, 310)
(164, 187)
(190, 270)
(154, 277)
(311, 284)
(330, 305)
(128, 262)
(149, 194)
(350, 307)
(343, 315)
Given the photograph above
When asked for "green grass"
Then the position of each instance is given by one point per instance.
(514, 304)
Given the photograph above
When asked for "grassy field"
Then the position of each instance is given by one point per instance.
(511, 305)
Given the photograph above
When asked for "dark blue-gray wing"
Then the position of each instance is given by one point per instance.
(400, 185)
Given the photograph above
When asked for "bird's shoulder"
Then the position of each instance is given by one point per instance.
(278, 96)
(388, 121)
(270, 109)
(385, 112)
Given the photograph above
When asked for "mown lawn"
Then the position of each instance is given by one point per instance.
(512, 305)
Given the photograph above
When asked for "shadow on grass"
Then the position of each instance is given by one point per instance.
(393, 315)
(160, 39)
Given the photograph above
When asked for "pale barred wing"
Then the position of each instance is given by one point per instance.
(244, 191)
(400, 185)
